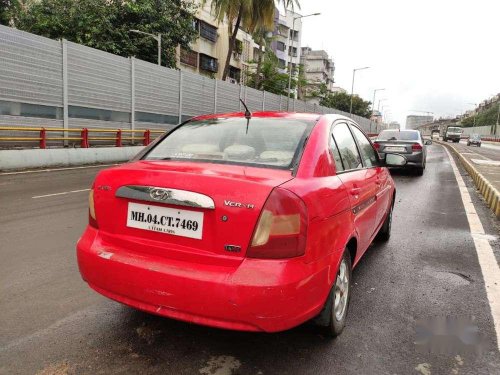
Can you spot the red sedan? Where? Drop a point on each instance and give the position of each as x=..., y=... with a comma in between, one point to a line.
x=246, y=222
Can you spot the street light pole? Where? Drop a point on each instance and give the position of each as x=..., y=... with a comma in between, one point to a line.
x=155, y=37
x=352, y=86
x=380, y=100
x=290, y=50
x=373, y=106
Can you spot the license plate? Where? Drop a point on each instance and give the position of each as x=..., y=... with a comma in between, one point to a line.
x=165, y=220
x=394, y=149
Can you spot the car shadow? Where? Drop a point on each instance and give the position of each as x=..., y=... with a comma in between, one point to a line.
x=155, y=339
x=403, y=172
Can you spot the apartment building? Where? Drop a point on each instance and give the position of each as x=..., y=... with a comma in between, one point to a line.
x=208, y=52
x=286, y=43
x=318, y=68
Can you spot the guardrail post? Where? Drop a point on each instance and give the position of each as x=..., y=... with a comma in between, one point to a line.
x=84, y=143
x=43, y=138
x=119, y=138
x=147, y=138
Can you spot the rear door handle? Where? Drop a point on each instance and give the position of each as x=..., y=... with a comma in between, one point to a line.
x=355, y=191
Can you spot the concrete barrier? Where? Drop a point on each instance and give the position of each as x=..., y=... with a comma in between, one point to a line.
x=64, y=157
x=490, y=193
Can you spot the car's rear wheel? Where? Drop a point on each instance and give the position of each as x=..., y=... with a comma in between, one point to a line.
x=339, y=297
x=385, y=232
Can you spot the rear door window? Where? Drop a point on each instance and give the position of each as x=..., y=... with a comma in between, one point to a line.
x=365, y=148
x=347, y=147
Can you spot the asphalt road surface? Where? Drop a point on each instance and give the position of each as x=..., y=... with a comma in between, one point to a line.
x=490, y=151
x=51, y=322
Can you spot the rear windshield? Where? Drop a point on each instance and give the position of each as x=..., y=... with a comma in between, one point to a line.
x=396, y=135
x=453, y=129
x=271, y=142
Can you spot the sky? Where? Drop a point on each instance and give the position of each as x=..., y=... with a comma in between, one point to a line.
x=429, y=55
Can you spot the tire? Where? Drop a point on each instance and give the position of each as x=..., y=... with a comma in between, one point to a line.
x=337, y=303
x=419, y=171
x=385, y=232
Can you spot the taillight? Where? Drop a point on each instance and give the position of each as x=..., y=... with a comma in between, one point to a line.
x=92, y=217
x=282, y=227
x=376, y=145
x=416, y=147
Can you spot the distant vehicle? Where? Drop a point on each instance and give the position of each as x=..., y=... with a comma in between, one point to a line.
x=435, y=134
x=405, y=142
x=474, y=140
x=452, y=133
x=248, y=222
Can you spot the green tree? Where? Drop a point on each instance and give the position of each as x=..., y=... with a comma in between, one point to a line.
x=7, y=10
x=106, y=25
x=252, y=14
x=270, y=79
x=486, y=117
x=342, y=100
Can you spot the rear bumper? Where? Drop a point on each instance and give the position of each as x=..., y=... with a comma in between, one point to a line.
x=256, y=295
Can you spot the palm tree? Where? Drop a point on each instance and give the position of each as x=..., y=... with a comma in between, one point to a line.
x=252, y=14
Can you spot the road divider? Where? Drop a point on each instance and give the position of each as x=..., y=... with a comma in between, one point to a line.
x=64, y=157
x=488, y=191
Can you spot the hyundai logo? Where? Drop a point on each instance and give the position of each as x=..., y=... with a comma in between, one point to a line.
x=160, y=194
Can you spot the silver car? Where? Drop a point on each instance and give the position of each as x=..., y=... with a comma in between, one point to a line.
x=405, y=142
x=474, y=140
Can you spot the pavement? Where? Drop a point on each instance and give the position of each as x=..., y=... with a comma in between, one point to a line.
x=52, y=323
x=485, y=161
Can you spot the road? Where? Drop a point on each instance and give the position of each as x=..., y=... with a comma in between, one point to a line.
x=51, y=322
x=488, y=150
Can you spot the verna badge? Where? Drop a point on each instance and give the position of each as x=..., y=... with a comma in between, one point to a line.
x=238, y=204
x=160, y=194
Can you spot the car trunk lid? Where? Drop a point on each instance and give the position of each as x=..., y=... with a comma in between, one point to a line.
x=152, y=207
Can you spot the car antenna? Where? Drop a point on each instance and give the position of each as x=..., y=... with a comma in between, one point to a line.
x=248, y=114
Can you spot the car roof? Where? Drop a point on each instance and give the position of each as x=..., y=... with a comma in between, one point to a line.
x=268, y=114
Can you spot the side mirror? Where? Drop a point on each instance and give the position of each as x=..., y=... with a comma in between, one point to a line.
x=395, y=160
x=428, y=142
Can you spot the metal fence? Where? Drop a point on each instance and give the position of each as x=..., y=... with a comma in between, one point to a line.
x=65, y=85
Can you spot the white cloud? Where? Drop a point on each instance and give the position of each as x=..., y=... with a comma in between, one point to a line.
x=430, y=55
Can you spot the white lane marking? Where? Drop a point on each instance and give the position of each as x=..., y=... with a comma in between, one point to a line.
x=58, y=169
x=489, y=162
x=62, y=193
x=487, y=260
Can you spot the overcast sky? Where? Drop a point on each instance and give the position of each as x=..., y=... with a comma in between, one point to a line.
x=430, y=55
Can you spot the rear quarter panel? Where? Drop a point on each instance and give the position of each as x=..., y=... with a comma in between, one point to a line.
x=330, y=221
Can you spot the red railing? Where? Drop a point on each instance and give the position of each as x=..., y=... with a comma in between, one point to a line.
x=84, y=136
